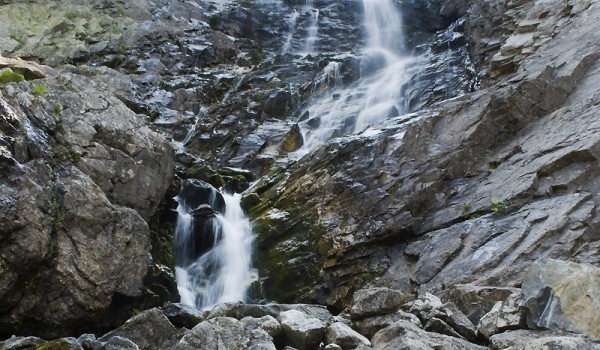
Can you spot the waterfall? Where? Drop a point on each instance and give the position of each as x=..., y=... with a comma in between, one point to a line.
x=213, y=257
x=287, y=46
x=312, y=31
x=377, y=94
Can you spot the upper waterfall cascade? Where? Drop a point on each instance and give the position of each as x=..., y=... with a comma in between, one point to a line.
x=378, y=93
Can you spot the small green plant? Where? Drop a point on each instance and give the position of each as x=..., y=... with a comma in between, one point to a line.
x=8, y=76
x=57, y=222
x=499, y=205
x=134, y=312
x=17, y=38
x=465, y=208
x=493, y=162
x=57, y=108
x=395, y=186
x=39, y=89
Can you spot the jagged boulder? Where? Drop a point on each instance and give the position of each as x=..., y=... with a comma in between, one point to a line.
x=375, y=301
x=476, y=301
x=404, y=334
x=505, y=315
x=225, y=333
x=149, y=330
x=538, y=340
x=76, y=253
x=344, y=336
x=562, y=295
x=300, y=330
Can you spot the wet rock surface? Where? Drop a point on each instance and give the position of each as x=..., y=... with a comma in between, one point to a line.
x=418, y=230
x=83, y=175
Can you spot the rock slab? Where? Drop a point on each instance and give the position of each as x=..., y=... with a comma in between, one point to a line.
x=563, y=295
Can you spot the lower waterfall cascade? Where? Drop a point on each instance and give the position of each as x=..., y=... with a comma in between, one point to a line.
x=223, y=272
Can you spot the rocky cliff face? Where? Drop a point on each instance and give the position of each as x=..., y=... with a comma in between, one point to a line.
x=82, y=176
x=490, y=167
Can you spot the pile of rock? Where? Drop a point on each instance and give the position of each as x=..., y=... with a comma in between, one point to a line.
x=539, y=316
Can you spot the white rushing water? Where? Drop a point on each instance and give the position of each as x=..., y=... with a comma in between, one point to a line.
x=292, y=20
x=378, y=93
x=224, y=272
x=312, y=32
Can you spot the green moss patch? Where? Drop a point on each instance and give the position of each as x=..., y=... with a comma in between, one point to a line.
x=7, y=75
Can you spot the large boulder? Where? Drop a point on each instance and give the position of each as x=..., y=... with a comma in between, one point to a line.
x=562, y=295
x=149, y=330
x=344, y=336
x=406, y=335
x=82, y=175
x=375, y=301
x=224, y=333
x=300, y=330
x=539, y=340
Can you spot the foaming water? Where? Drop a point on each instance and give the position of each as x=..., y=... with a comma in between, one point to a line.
x=224, y=272
x=378, y=93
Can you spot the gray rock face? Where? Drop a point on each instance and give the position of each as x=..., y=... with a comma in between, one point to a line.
x=469, y=191
x=77, y=164
x=562, y=295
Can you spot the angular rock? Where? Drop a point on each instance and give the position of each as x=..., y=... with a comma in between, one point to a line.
x=119, y=343
x=89, y=342
x=406, y=335
x=149, y=330
x=224, y=333
x=375, y=301
x=266, y=323
x=370, y=325
x=429, y=307
x=345, y=337
x=181, y=315
x=300, y=330
x=436, y=325
x=30, y=70
x=15, y=343
x=505, y=315
x=562, y=295
x=476, y=301
x=540, y=340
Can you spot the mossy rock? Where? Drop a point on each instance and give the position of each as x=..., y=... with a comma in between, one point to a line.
x=249, y=201
x=207, y=174
x=7, y=75
x=241, y=174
